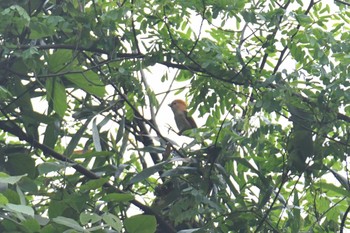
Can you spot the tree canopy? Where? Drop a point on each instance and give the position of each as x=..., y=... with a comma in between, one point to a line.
x=84, y=88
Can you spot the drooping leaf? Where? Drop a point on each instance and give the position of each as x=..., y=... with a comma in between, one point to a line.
x=88, y=81
x=56, y=93
x=96, y=136
x=76, y=138
x=147, y=173
x=52, y=132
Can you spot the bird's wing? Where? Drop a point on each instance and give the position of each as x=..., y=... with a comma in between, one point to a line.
x=190, y=119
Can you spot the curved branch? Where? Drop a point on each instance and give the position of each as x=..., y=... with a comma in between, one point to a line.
x=342, y=224
x=199, y=31
x=281, y=58
x=272, y=204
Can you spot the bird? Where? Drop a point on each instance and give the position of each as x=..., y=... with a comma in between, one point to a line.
x=182, y=119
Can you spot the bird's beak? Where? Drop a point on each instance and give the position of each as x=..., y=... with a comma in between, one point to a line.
x=169, y=105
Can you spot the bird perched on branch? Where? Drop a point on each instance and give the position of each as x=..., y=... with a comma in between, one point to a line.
x=183, y=121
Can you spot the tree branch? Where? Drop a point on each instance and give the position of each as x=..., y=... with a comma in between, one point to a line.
x=342, y=2
x=79, y=48
x=342, y=224
x=274, y=33
x=281, y=58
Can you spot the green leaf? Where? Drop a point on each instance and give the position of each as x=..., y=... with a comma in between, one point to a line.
x=144, y=174
x=4, y=94
x=19, y=16
x=96, y=136
x=94, y=184
x=28, y=53
x=44, y=26
x=120, y=131
x=227, y=179
x=246, y=163
x=24, y=103
x=59, y=98
x=52, y=132
x=91, y=218
x=113, y=221
x=152, y=149
x=31, y=225
x=3, y=199
x=264, y=196
x=58, y=60
x=56, y=92
x=12, y=196
x=76, y=138
x=304, y=19
x=296, y=214
x=248, y=16
x=56, y=208
x=118, y=197
x=6, y=179
x=47, y=167
x=141, y=224
x=342, y=180
x=69, y=223
x=22, y=198
x=28, y=185
x=183, y=75
x=21, y=163
x=23, y=209
x=39, y=30
x=88, y=81
x=48, y=229
x=333, y=188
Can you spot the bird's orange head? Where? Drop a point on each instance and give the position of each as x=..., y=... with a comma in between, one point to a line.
x=178, y=105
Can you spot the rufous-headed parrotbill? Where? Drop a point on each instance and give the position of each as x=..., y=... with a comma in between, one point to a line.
x=182, y=119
